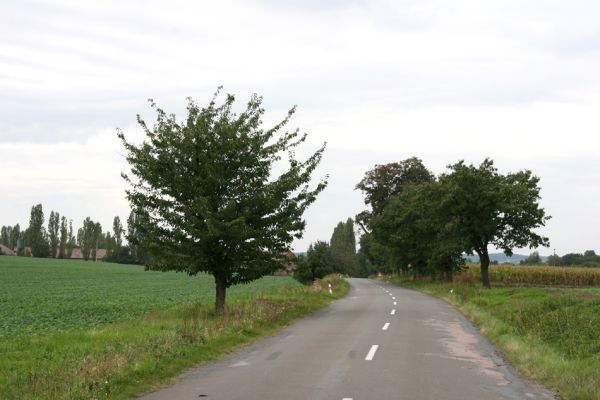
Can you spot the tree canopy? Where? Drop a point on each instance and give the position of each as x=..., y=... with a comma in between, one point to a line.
x=483, y=207
x=317, y=263
x=208, y=189
x=385, y=181
x=428, y=225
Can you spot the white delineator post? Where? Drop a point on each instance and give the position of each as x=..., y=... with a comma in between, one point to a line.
x=330, y=291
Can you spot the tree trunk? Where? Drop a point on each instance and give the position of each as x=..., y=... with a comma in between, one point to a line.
x=484, y=259
x=221, y=289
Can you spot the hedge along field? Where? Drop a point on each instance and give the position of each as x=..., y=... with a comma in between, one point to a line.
x=83, y=330
x=534, y=275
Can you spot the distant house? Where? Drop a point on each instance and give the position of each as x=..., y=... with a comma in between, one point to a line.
x=77, y=254
x=7, y=251
x=288, y=265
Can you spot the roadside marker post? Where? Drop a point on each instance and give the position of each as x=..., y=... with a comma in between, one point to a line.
x=330, y=291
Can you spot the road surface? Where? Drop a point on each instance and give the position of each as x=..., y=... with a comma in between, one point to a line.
x=378, y=342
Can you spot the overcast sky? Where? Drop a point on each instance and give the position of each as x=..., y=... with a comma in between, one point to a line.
x=380, y=81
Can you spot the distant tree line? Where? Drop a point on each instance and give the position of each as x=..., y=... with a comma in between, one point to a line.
x=419, y=224
x=57, y=239
x=336, y=256
x=588, y=259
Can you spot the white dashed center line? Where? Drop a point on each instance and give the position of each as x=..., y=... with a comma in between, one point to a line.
x=394, y=303
x=371, y=352
x=393, y=311
x=393, y=298
x=386, y=326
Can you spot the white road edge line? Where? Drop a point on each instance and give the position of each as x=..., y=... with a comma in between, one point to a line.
x=347, y=398
x=393, y=311
x=371, y=352
x=386, y=326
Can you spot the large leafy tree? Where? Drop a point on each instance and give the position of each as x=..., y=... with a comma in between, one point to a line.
x=385, y=181
x=414, y=233
x=208, y=187
x=379, y=185
x=482, y=207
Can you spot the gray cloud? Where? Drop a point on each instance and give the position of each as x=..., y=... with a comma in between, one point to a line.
x=380, y=81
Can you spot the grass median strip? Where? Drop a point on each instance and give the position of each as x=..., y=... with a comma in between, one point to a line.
x=550, y=334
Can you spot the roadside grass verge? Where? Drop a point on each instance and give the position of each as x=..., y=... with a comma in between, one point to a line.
x=551, y=335
x=121, y=359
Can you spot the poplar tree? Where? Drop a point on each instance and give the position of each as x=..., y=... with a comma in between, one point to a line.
x=343, y=248
x=212, y=200
x=37, y=237
x=118, y=233
x=62, y=250
x=86, y=236
x=53, y=232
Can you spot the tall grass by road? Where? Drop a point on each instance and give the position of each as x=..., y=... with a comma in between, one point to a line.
x=551, y=334
x=77, y=330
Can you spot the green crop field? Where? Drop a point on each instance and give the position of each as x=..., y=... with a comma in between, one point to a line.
x=83, y=330
x=40, y=296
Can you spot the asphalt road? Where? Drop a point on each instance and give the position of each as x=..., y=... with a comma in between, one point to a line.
x=378, y=342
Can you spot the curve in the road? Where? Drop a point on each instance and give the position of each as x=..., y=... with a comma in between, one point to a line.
x=364, y=346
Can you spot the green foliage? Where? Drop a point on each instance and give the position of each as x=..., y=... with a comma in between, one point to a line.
x=317, y=263
x=533, y=259
x=412, y=228
x=587, y=259
x=483, y=207
x=136, y=236
x=36, y=236
x=343, y=248
x=53, y=232
x=5, y=236
x=64, y=238
x=87, y=239
x=426, y=226
x=118, y=232
x=9, y=235
x=207, y=190
x=385, y=181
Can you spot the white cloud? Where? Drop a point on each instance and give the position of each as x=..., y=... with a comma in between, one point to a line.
x=380, y=81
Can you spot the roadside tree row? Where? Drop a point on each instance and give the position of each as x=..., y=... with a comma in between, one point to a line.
x=421, y=224
x=58, y=239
